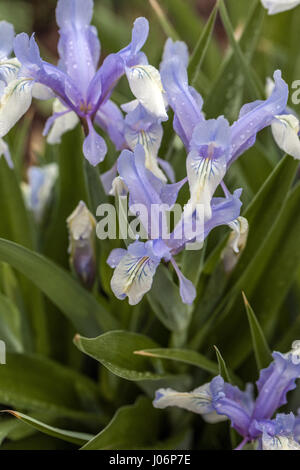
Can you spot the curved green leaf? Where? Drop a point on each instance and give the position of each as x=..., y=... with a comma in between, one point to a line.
x=40, y=384
x=82, y=309
x=68, y=436
x=261, y=349
x=115, y=351
x=132, y=427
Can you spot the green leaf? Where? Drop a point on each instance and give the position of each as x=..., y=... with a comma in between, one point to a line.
x=230, y=76
x=115, y=351
x=170, y=309
x=264, y=209
x=132, y=427
x=68, y=436
x=201, y=47
x=10, y=325
x=261, y=349
x=187, y=356
x=71, y=190
x=254, y=85
x=74, y=301
x=6, y=426
x=40, y=384
x=265, y=282
x=261, y=215
x=223, y=371
x=15, y=225
x=163, y=20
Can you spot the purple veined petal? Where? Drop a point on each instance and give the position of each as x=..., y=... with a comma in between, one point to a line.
x=14, y=103
x=167, y=169
x=78, y=47
x=7, y=35
x=105, y=80
x=133, y=275
x=256, y=116
x=27, y=52
x=94, y=146
x=224, y=211
x=139, y=181
x=115, y=257
x=206, y=162
x=187, y=113
x=274, y=383
x=4, y=150
x=186, y=287
x=197, y=97
x=143, y=128
x=140, y=32
x=169, y=192
x=111, y=120
x=176, y=49
x=233, y=403
x=113, y=66
x=278, y=434
x=297, y=427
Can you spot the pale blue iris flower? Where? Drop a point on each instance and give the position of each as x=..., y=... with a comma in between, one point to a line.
x=251, y=418
x=82, y=90
x=136, y=266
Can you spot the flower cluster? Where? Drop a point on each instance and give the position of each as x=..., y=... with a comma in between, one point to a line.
x=212, y=146
x=82, y=93
x=251, y=418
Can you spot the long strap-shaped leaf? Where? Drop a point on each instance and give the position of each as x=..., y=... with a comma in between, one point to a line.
x=78, y=438
x=81, y=308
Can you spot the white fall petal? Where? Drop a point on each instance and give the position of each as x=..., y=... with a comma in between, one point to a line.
x=279, y=443
x=145, y=84
x=9, y=69
x=14, y=102
x=204, y=175
x=133, y=277
x=285, y=129
x=198, y=401
x=278, y=6
x=150, y=140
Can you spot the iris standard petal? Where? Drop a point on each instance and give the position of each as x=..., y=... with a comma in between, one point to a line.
x=78, y=47
x=110, y=118
x=186, y=109
x=7, y=35
x=274, y=383
x=256, y=116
